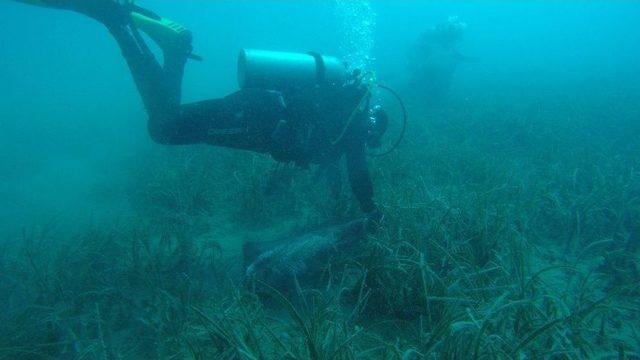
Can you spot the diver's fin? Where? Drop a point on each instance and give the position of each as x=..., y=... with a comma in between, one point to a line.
x=112, y=12
x=56, y=4
x=169, y=35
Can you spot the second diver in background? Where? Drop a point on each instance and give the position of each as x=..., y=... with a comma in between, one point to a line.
x=434, y=60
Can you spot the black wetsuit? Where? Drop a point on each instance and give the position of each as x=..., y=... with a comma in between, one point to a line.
x=299, y=126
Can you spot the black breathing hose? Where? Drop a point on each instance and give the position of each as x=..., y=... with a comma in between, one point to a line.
x=405, y=118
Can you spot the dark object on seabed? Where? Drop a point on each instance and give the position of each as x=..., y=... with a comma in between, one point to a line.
x=280, y=263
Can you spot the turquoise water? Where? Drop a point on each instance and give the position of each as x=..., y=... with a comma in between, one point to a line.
x=511, y=207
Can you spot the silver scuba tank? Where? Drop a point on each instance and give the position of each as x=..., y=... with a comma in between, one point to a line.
x=283, y=70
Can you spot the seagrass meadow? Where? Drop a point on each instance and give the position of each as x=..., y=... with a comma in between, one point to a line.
x=511, y=208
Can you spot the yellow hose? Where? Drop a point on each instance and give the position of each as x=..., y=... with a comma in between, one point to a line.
x=355, y=111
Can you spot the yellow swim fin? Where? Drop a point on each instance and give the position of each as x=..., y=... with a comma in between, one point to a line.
x=169, y=35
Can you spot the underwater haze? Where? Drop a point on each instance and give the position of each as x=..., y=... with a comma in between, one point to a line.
x=509, y=213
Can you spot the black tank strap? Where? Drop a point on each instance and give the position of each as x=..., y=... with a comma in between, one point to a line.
x=321, y=69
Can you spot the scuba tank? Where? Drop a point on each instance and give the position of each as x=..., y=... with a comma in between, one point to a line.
x=275, y=70
x=310, y=78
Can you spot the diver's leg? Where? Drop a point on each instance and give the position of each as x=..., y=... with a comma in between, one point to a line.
x=147, y=73
x=159, y=86
x=243, y=120
x=174, y=40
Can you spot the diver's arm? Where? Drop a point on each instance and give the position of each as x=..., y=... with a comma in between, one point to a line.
x=359, y=176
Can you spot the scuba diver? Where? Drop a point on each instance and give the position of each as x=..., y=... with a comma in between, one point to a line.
x=299, y=108
x=434, y=60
